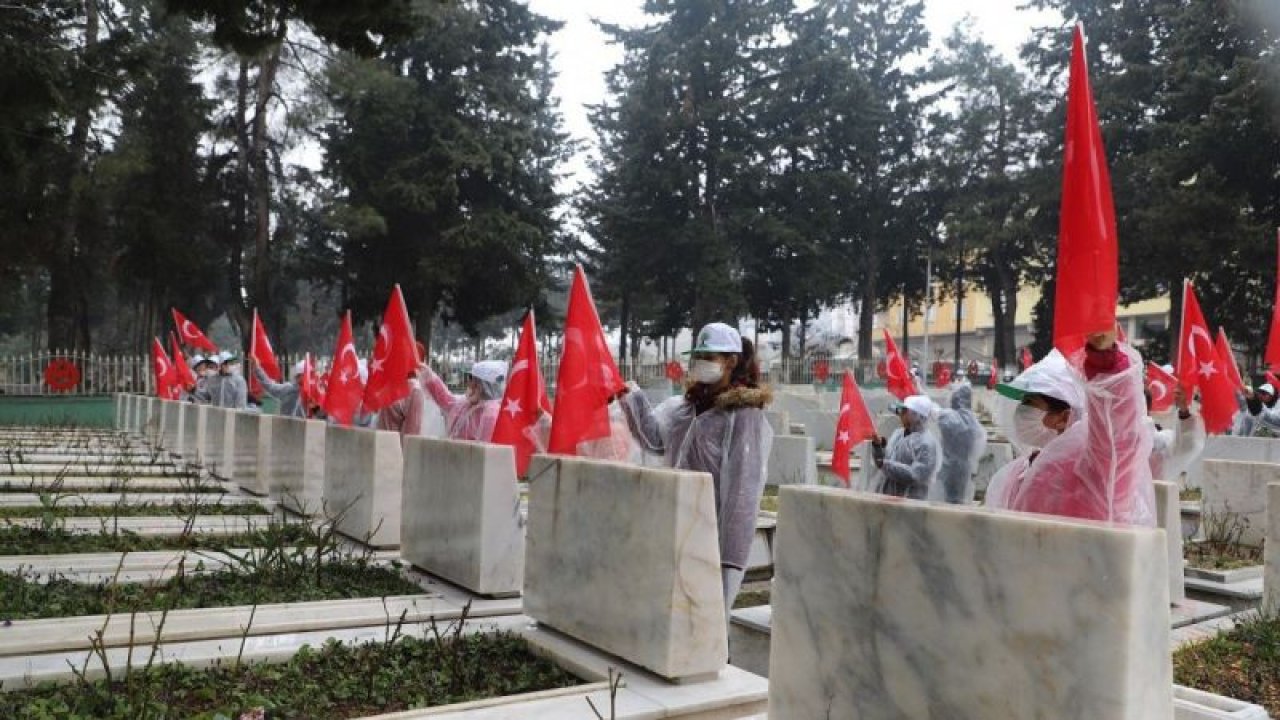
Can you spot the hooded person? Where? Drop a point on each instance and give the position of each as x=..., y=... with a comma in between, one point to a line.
x=229, y=390
x=1085, y=440
x=963, y=441
x=288, y=394
x=717, y=427
x=909, y=460
x=472, y=414
x=1262, y=409
x=1174, y=449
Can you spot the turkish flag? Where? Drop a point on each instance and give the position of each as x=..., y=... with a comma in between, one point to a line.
x=524, y=400
x=995, y=375
x=309, y=387
x=587, y=377
x=165, y=374
x=395, y=358
x=1161, y=385
x=1271, y=358
x=190, y=334
x=897, y=374
x=1223, y=347
x=263, y=356
x=1027, y=360
x=852, y=427
x=1200, y=366
x=1088, y=265
x=344, y=389
x=182, y=371
x=1274, y=381
x=943, y=377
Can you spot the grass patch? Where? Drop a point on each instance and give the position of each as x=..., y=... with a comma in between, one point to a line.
x=751, y=598
x=769, y=501
x=334, y=681
x=189, y=485
x=144, y=509
x=1190, y=494
x=57, y=541
x=1211, y=555
x=1243, y=663
x=28, y=597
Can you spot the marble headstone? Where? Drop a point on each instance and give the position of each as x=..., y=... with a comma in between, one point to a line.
x=792, y=460
x=462, y=518
x=1169, y=519
x=363, y=477
x=194, y=422
x=253, y=433
x=174, y=417
x=885, y=608
x=291, y=463
x=1271, y=577
x=1239, y=489
x=626, y=559
x=1230, y=447
x=779, y=421
x=119, y=403
x=219, y=441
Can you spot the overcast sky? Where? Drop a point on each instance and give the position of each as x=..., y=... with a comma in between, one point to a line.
x=583, y=55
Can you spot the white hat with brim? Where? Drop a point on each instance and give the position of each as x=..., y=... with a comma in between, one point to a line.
x=1267, y=388
x=1051, y=377
x=918, y=404
x=718, y=338
x=490, y=371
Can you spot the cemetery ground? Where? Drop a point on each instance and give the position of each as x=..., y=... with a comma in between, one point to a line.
x=138, y=582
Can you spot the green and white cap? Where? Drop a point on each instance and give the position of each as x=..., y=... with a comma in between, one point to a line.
x=718, y=338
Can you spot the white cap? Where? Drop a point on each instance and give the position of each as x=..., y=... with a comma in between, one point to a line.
x=299, y=366
x=1052, y=376
x=490, y=371
x=1167, y=368
x=718, y=338
x=196, y=360
x=918, y=404
x=1267, y=388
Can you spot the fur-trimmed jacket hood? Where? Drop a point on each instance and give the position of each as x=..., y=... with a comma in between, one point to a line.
x=737, y=398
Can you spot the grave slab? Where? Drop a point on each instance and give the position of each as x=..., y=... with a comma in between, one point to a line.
x=363, y=479
x=173, y=415
x=194, y=433
x=104, y=483
x=219, y=442
x=1169, y=519
x=155, y=526
x=884, y=608
x=669, y=619
x=293, y=463
x=1233, y=448
x=462, y=517
x=1234, y=488
x=1271, y=582
x=792, y=461
x=252, y=432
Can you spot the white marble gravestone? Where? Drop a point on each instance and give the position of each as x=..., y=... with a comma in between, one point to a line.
x=252, y=434
x=779, y=421
x=1169, y=519
x=461, y=518
x=1271, y=577
x=291, y=464
x=1230, y=447
x=1237, y=488
x=887, y=608
x=219, y=442
x=996, y=456
x=363, y=477
x=119, y=403
x=792, y=460
x=626, y=559
x=173, y=414
x=820, y=425
x=194, y=422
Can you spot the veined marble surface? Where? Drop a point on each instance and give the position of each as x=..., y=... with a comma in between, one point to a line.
x=291, y=465
x=885, y=608
x=216, y=440
x=1169, y=519
x=792, y=461
x=1238, y=488
x=1271, y=578
x=461, y=517
x=252, y=431
x=1231, y=447
x=626, y=559
x=363, y=477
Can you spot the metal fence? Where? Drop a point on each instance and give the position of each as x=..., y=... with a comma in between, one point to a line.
x=74, y=373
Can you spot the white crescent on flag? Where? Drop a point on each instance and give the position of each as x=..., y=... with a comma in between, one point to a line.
x=1198, y=332
x=162, y=366
x=349, y=349
x=893, y=367
x=188, y=330
x=518, y=368
x=1158, y=391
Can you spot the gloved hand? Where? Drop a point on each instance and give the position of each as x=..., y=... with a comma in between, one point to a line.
x=877, y=452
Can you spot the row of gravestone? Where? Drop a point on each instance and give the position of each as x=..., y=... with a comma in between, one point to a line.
x=881, y=608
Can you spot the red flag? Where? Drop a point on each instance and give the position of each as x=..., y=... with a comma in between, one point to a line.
x=1027, y=360
x=587, y=377
x=166, y=376
x=1271, y=358
x=524, y=400
x=1161, y=385
x=943, y=377
x=344, y=390
x=897, y=374
x=1088, y=265
x=309, y=386
x=994, y=379
x=1223, y=347
x=1199, y=366
x=190, y=334
x=182, y=372
x=263, y=356
x=1270, y=378
x=852, y=427
x=395, y=358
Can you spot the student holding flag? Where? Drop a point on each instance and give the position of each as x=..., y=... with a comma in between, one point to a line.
x=288, y=394
x=473, y=414
x=1173, y=449
x=909, y=460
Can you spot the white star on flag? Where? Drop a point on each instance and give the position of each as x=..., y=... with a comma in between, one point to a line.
x=375, y=365
x=513, y=407
x=844, y=408
x=1208, y=369
x=843, y=437
x=344, y=376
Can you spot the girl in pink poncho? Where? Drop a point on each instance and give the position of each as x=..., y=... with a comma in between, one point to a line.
x=1082, y=426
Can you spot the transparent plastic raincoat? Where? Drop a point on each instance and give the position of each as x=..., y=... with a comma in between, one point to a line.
x=963, y=441
x=911, y=461
x=1173, y=449
x=465, y=420
x=1100, y=467
x=731, y=441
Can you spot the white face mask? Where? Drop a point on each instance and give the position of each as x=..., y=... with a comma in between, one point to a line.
x=1029, y=429
x=707, y=372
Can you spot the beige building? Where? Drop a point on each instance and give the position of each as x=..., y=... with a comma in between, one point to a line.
x=977, y=325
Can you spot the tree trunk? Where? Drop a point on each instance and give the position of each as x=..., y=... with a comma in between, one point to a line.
x=1010, y=328
x=866, y=325
x=264, y=88
x=237, y=311
x=786, y=338
x=624, y=321
x=1175, y=318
